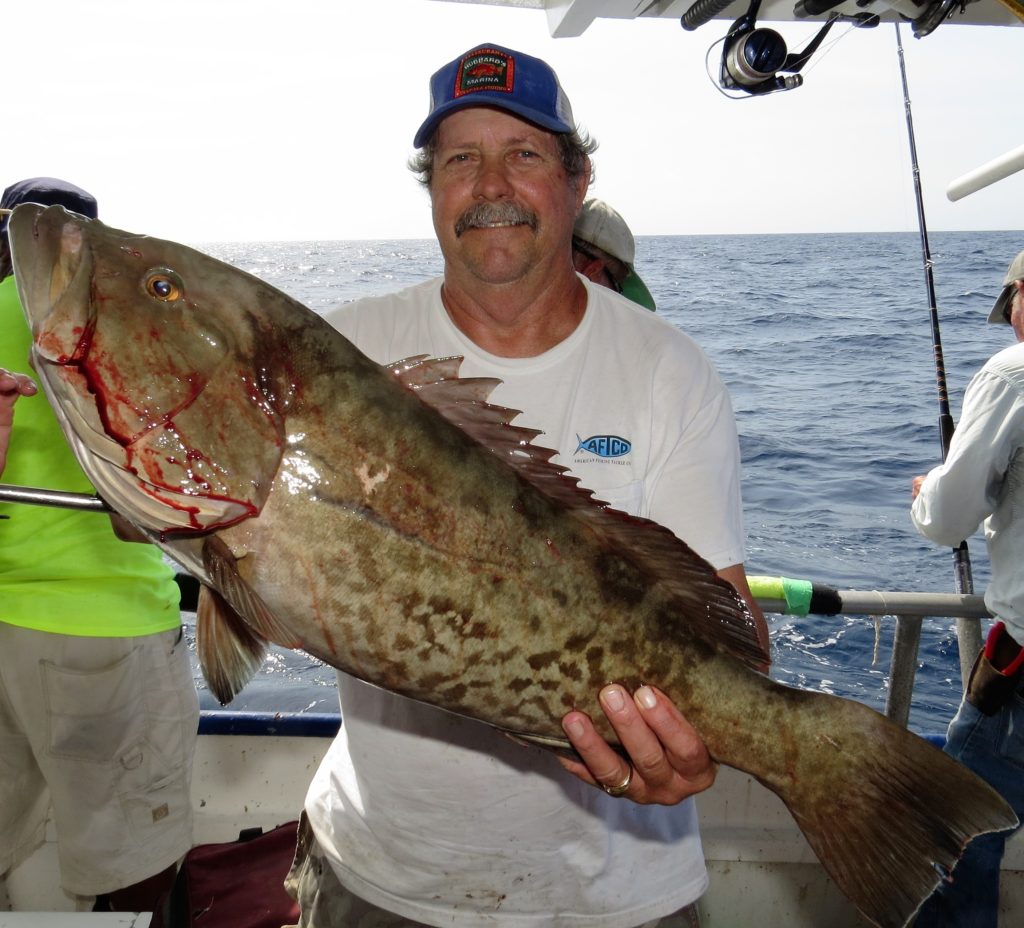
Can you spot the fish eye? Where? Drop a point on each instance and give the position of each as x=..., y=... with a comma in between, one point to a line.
x=164, y=285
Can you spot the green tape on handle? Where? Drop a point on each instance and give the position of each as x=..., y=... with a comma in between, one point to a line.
x=796, y=593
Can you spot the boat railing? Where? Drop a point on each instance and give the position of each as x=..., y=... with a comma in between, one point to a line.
x=908, y=610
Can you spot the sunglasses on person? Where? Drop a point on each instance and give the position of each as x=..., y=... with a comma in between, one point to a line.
x=1008, y=308
x=581, y=246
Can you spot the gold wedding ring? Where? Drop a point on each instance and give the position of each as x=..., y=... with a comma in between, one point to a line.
x=620, y=788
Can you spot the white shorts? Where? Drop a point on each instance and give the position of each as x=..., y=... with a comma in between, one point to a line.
x=104, y=731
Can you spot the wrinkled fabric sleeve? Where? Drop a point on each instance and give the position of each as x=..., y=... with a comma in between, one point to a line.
x=963, y=491
x=694, y=488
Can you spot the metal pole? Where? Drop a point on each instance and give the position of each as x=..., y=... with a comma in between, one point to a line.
x=903, y=668
x=58, y=498
x=968, y=630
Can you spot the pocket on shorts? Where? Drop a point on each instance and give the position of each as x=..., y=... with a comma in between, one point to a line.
x=164, y=807
x=93, y=714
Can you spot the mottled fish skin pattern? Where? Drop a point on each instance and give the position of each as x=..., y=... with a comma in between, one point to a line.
x=424, y=567
x=388, y=542
x=333, y=506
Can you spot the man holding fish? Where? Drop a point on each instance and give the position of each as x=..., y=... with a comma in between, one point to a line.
x=398, y=522
x=423, y=814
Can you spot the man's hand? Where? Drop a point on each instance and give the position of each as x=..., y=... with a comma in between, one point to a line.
x=915, y=485
x=125, y=531
x=12, y=386
x=669, y=760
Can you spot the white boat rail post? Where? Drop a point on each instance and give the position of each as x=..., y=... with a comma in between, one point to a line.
x=909, y=610
x=785, y=597
x=906, y=641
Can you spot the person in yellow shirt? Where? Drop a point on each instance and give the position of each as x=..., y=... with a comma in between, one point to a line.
x=98, y=708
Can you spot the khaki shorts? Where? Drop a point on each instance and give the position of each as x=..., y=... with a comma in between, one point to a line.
x=103, y=731
x=325, y=903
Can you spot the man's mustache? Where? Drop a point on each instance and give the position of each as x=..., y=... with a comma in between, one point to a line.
x=481, y=215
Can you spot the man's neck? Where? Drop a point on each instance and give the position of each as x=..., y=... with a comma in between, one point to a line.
x=516, y=320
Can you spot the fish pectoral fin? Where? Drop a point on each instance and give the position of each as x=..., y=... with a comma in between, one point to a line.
x=222, y=568
x=229, y=651
x=233, y=624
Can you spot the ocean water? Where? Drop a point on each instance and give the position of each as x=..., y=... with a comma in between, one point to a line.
x=825, y=343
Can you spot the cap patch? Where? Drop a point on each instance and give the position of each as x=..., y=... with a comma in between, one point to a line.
x=485, y=69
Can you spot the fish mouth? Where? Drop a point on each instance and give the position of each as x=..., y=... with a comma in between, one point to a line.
x=70, y=286
x=503, y=215
x=52, y=269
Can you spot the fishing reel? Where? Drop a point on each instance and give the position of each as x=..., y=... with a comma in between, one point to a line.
x=754, y=58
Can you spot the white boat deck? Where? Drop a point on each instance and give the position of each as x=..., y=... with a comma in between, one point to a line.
x=762, y=870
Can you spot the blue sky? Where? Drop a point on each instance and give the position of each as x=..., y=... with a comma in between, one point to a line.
x=250, y=120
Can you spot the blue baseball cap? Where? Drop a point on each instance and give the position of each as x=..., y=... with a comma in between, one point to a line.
x=490, y=75
x=47, y=191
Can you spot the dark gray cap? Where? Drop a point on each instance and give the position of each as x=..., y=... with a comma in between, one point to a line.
x=1016, y=272
x=47, y=191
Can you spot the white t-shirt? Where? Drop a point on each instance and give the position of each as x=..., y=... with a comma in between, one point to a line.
x=442, y=820
x=983, y=478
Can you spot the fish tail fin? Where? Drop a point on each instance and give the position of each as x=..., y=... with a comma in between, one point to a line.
x=887, y=813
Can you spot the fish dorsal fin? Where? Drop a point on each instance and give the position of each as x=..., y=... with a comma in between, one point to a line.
x=715, y=610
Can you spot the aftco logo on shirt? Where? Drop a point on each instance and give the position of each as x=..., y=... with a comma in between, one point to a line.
x=604, y=446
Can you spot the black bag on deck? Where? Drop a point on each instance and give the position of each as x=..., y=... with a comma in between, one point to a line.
x=239, y=884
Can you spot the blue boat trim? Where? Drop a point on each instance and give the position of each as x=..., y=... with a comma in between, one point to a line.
x=312, y=724
x=285, y=724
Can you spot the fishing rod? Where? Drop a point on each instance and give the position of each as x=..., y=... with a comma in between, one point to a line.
x=968, y=630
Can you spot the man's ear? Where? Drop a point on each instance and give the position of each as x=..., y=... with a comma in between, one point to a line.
x=593, y=269
x=583, y=184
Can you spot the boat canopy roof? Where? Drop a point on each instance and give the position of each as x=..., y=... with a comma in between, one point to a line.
x=572, y=17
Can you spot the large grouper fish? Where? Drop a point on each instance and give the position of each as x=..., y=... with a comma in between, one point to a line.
x=391, y=522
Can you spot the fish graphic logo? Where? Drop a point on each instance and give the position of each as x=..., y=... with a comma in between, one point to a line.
x=604, y=446
x=485, y=69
